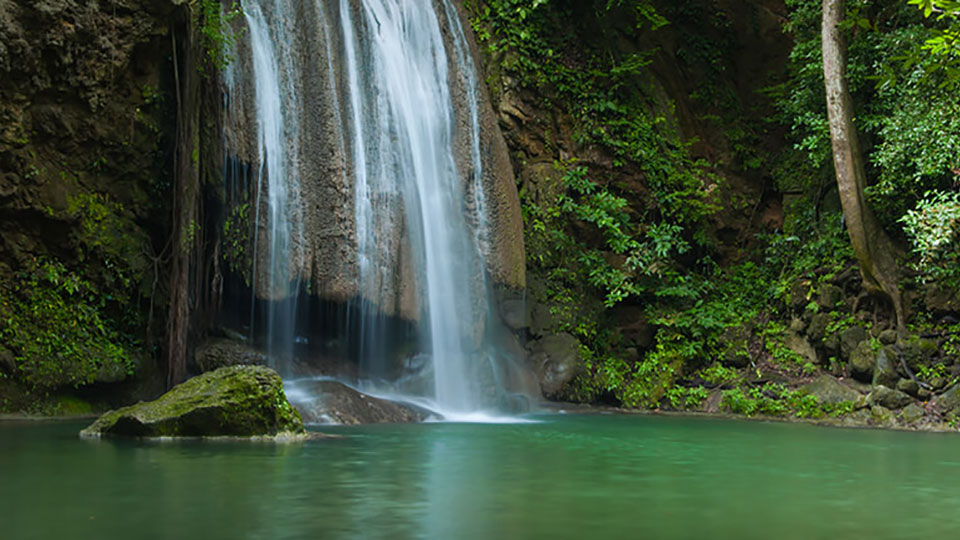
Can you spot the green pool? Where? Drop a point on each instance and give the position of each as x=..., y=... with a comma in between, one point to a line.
x=570, y=476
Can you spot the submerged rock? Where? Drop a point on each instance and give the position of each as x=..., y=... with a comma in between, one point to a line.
x=829, y=390
x=555, y=359
x=239, y=401
x=331, y=402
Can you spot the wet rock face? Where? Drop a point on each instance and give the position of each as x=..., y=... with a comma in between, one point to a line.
x=217, y=353
x=325, y=250
x=330, y=402
x=555, y=359
x=239, y=401
x=81, y=111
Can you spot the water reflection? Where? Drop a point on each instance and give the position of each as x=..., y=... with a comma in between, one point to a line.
x=568, y=477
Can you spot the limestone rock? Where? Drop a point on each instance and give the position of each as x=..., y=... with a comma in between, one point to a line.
x=331, y=402
x=882, y=416
x=911, y=414
x=888, y=397
x=949, y=400
x=238, y=401
x=885, y=369
x=7, y=362
x=941, y=299
x=817, y=330
x=555, y=359
x=917, y=351
x=217, y=353
x=888, y=337
x=515, y=313
x=830, y=296
x=799, y=344
x=541, y=320
x=850, y=339
x=862, y=361
x=829, y=390
x=908, y=386
x=733, y=342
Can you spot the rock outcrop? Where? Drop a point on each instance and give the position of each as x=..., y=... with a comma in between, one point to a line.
x=239, y=401
x=217, y=353
x=555, y=359
x=331, y=402
x=828, y=389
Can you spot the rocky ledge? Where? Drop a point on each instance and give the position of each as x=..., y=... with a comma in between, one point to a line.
x=237, y=401
x=330, y=402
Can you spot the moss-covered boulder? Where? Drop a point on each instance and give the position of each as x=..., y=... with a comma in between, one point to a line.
x=888, y=398
x=885, y=370
x=949, y=401
x=238, y=401
x=862, y=362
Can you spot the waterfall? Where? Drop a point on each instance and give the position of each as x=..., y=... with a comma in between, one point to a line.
x=368, y=132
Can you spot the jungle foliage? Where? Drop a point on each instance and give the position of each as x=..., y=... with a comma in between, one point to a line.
x=597, y=245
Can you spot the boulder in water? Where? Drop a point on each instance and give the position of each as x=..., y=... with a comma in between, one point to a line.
x=331, y=402
x=238, y=401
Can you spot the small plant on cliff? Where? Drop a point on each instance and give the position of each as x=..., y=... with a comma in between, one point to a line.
x=216, y=35
x=53, y=324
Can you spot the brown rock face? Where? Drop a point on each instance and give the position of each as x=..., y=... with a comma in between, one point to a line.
x=82, y=118
x=324, y=250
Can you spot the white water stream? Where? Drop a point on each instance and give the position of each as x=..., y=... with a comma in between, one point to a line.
x=410, y=105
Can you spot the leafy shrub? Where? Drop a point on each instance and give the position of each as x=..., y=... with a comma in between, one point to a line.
x=53, y=324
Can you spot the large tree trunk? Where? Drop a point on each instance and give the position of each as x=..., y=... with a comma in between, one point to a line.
x=186, y=190
x=872, y=247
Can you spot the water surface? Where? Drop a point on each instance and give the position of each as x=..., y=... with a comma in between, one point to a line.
x=564, y=477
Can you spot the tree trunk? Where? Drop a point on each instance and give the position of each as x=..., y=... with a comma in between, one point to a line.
x=186, y=189
x=873, y=249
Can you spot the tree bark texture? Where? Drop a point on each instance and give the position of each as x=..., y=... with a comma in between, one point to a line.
x=872, y=247
x=185, y=192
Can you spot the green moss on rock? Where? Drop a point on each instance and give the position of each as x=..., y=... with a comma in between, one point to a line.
x=238, y=401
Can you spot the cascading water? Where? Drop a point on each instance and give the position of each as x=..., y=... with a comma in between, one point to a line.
x=381, y=97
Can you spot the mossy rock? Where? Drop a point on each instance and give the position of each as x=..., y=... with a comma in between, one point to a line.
x=828, y=389
x=237, y=401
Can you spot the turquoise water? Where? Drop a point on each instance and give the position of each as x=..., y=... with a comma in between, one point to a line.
x=565, y=477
